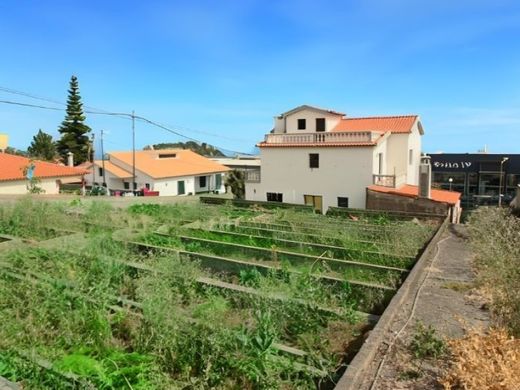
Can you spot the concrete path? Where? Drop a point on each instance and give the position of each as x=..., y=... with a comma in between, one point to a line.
x=446, y=301
x=6, y=385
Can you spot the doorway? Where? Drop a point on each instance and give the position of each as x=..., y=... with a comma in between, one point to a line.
x=315, y=201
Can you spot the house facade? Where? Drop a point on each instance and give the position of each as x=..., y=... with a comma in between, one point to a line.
x=324, y=158
x=169, y=172
x=48, y=177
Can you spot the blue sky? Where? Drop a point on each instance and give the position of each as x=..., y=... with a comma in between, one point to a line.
x=220, y=70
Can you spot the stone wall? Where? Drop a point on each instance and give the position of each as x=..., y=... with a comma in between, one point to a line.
x=392, y=202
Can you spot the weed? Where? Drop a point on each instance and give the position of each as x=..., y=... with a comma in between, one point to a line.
x=425, y=343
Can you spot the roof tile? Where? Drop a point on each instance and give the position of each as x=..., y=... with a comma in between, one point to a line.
x=444, y=196
x=393, y=124
x=12, y=167
x=184, y=163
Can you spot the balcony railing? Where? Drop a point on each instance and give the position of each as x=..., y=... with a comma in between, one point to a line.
x=252, y=176
x=384, y=180
x=323, y=138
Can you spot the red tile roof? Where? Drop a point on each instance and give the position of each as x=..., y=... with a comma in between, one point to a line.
x=393, y=124
x=443, y=196
x=12, y=167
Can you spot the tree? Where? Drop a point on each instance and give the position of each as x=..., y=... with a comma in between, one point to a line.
x=203, y=149
x=42, y=147
x=14, y=151
x=235, y=180
x=74, y=132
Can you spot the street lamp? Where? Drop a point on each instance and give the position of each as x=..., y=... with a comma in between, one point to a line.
x=504, y=159
x=451, y=181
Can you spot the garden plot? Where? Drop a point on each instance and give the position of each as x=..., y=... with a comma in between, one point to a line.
x=205, y=306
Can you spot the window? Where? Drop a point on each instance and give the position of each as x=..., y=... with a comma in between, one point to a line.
x=380, y=163
x=147, y=186
x=100, y=171
x=202, y=181
x=167, y=155
x=320, y=124
x=301, y=124
x=127, y=185
x=342, y=201
x=410, y=156
x=135, y=186
x=274, y=197
x=180, y=188
x=218, y=180
x=314, y=160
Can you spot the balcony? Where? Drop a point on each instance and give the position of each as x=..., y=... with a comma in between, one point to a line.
x=252, y=176
x=384, y=180
x=351, y=137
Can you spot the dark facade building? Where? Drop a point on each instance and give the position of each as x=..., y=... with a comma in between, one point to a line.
x=479, y=177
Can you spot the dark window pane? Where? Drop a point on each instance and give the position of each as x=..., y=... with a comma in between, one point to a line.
x=202, y=181
x=274, y=197
x=320, y=124
x=314, y=160
x=127, y=185
x=342, y=202
x=301, y=124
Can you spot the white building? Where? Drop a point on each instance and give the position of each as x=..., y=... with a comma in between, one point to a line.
x=47, y=177
x=324, y=158
x=169, y=172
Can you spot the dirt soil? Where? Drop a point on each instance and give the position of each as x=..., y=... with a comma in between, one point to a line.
x=448, y=302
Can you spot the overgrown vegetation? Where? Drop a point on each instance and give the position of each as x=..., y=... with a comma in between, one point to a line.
x=484, y=361
x=94, y=311
x=495, y=237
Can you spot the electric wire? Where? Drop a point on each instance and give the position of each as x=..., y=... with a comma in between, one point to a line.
x=126, y=115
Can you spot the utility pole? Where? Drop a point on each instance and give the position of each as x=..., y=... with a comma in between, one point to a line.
x=133, y=152
x=103, y=162
x=93, y=166
x=504, y=159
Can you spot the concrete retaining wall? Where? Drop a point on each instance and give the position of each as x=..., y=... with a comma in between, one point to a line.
x=357, y=371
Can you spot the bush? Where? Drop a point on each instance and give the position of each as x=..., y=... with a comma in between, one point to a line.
x=495, y=238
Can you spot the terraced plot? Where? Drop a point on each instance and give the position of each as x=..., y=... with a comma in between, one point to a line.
x=188, y=296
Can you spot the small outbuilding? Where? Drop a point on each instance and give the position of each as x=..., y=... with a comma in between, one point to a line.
x=406, y=198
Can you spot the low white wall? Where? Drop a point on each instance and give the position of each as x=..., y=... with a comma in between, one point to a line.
x=50, y=186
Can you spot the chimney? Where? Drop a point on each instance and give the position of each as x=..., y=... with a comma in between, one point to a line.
x=70, y=159
x=425, y=177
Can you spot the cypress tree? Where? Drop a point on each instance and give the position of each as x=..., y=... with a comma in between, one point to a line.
x=74, y=132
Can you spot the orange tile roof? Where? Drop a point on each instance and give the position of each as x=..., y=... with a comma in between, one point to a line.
x=114, y=169
x=393, y=124
x=12, y=167
x=444, y=196
x=185, y=163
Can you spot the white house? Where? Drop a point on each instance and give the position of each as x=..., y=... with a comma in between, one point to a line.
x=324, y=158
x=169, y=172
x=48, y=177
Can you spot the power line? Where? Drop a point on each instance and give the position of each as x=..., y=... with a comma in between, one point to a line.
x=121, y=115
x=93, y=110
